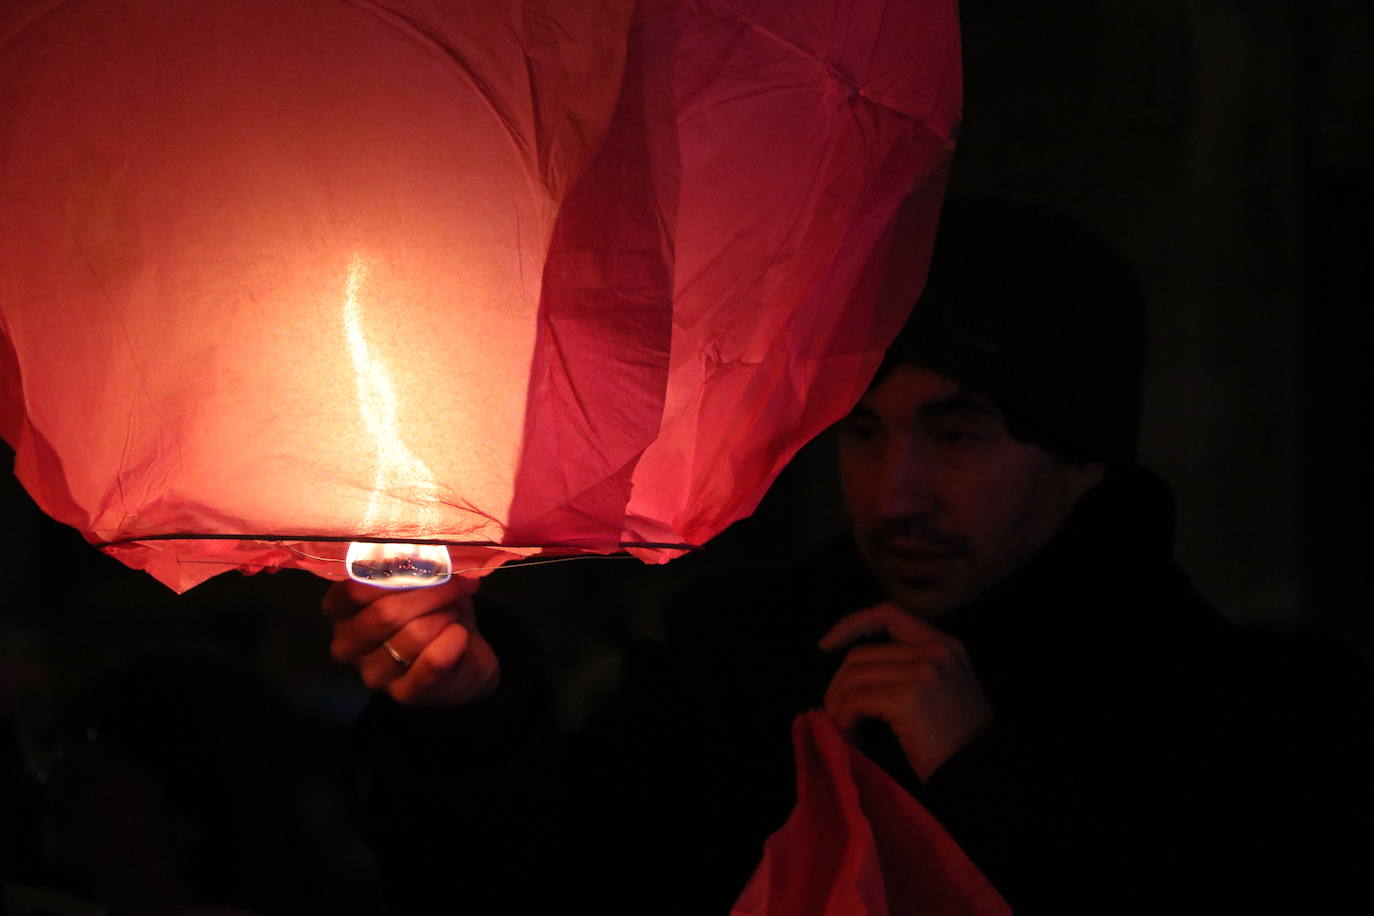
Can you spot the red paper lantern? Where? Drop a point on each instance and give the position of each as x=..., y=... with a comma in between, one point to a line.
x=515, y=277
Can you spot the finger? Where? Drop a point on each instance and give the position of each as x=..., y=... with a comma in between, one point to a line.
x=379, y=669
x=851, y=677
x=339, y=604
x=885, y=618
x=346, y=598
x=439, y=657
x=382, y=619
x=455, y=667
x=886, y=652
x=874, y=701
x=940, y=652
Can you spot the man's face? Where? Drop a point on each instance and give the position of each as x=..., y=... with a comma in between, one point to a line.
x=944, y=502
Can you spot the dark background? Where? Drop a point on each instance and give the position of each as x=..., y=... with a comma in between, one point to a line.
x=1225, y=147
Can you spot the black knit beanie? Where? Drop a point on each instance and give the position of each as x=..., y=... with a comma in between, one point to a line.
x=1041, y=317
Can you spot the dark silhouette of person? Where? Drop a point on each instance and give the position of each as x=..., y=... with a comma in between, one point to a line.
x=177, y=787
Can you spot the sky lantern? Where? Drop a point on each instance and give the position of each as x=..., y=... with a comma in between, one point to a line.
x=284, y=282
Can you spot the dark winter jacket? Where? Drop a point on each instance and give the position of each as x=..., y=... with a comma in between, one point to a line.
x=1147, y=756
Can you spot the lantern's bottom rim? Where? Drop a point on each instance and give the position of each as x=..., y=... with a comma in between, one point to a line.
x=419, y=542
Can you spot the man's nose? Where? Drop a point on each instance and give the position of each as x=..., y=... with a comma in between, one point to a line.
x=906, y=484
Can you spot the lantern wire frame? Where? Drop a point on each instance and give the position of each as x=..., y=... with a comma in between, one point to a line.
x=509, y=564
x=432, y=542
x=345, y=539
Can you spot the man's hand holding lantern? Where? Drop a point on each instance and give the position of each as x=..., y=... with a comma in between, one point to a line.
x=422, y=645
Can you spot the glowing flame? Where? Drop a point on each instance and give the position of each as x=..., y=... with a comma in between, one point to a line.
x=398, y=469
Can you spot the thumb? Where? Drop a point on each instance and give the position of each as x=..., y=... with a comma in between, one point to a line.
x=883, y=619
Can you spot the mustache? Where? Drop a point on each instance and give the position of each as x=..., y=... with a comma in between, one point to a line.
x=898, y=532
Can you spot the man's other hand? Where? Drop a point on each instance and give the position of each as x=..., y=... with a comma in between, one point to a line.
x=921, y=684
x=437, y=657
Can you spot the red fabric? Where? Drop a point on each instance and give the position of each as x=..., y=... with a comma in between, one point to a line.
x=547, y=275
x=858, y=845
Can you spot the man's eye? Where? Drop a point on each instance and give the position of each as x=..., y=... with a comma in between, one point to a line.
x=955, y=435
x=859, y=430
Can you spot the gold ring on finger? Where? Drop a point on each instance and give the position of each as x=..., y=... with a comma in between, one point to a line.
x=397, y=657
